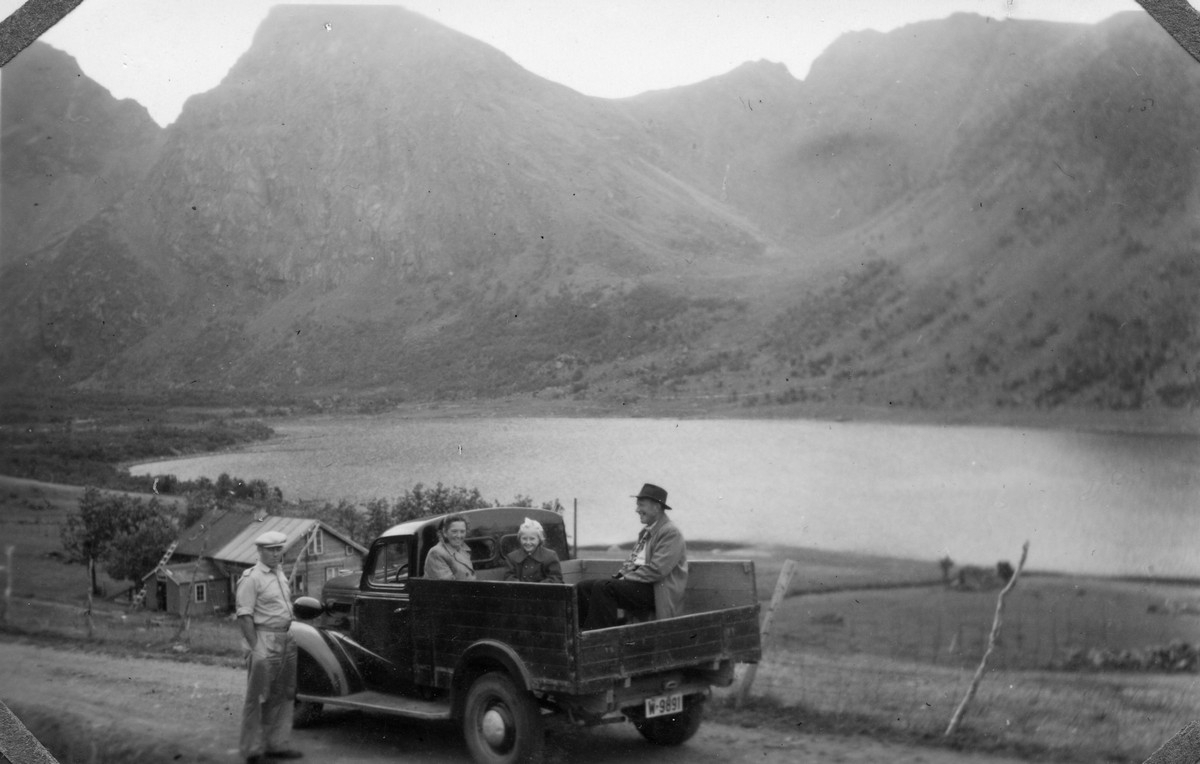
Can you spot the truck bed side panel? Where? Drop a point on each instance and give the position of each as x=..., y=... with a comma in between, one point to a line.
x=535, y=620
x=538, y=621
x=682, y=642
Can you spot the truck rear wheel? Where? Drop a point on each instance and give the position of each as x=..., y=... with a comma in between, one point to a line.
x=501, y=723
x=676, y=728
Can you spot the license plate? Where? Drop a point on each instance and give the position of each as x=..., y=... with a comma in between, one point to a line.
x=661, y=705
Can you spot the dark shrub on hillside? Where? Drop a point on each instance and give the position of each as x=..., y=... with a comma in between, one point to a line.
x=1177, y=657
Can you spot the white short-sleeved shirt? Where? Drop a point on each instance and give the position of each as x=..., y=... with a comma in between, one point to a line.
x=264, y=593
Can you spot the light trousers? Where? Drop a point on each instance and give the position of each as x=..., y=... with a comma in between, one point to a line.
x=270, y=694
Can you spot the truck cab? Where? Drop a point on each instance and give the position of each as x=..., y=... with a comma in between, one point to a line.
x=399, y=551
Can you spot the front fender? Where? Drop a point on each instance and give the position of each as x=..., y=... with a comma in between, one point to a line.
x=323, y=666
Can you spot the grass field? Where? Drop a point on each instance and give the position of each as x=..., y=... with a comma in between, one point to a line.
x=1044, y=618
x=863, y=645
x=1030, y=714
x=31, y=515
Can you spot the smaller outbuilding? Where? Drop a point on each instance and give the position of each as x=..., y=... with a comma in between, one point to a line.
x=202, y=573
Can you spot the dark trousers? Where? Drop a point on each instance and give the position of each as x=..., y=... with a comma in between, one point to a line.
x=599, y=599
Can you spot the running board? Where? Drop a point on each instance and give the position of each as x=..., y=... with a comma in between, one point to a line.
x=389, y=704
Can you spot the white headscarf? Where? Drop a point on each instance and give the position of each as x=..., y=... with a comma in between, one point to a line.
x=533, y=526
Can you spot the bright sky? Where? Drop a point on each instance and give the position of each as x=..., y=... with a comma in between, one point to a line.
x=160, y=52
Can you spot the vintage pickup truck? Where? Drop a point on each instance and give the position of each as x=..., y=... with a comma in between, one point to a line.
x=505, y=658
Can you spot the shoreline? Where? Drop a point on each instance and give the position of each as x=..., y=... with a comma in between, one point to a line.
x=702, y=548
x=1145, y=423
x=706, y=549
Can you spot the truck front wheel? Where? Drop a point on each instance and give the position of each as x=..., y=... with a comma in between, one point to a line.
x=502, y=724
x=676, y=728
x=306, y=714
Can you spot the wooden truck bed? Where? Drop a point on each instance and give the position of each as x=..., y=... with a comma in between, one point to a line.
x=539, y=622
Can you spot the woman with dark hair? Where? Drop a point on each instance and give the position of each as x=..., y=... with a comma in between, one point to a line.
x=450, y=559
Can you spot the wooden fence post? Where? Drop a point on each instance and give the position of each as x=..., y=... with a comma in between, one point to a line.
x=781, y=589
x=8, y=577
x=91, y=577
x=1184, y=748
x=991, y=644
x=17, y=743
x=308, y=540
x=185, y=620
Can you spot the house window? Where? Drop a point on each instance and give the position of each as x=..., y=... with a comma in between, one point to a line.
x=298, y=584
x=318, y=544
x=332, y=573
x=200, y=592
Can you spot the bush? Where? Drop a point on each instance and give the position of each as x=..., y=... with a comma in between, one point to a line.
x=1177, y=657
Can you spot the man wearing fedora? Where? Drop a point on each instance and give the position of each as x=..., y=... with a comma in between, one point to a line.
x=264, y=614
x=652, y=579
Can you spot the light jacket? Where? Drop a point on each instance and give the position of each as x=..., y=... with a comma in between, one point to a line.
x=666, y=567
x=445, y=563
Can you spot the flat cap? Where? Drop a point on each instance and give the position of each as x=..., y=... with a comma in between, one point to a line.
x=271, y=538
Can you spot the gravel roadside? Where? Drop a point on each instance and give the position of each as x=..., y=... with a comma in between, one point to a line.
x=93, y=707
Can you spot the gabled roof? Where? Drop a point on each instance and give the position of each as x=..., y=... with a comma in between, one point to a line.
x=241, y=548
x=213, y=531
x=187, y=572
x=228, y=536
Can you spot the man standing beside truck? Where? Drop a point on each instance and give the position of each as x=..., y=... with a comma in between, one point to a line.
x=654, y=577
x=264, y=614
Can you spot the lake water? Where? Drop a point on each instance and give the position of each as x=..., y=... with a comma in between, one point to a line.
x=1087, y=503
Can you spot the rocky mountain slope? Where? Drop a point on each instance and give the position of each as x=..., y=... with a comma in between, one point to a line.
x=958, y=213
x=70, y=149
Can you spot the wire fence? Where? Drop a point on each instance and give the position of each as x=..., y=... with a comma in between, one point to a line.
x=1046, y=625
x=905, y=663
x=1114, y=718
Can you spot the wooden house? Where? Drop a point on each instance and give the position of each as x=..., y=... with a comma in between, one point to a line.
x=210, y=556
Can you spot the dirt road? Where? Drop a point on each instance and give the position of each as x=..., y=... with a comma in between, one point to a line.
x=168, y=711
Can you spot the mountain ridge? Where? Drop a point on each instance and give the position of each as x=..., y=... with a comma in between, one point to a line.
x=390, y=206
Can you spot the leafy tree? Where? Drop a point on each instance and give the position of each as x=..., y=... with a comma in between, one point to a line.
x=363, y=523
x=198, y=504
x=132, y=555
x=235, y=488
x=347, y=518
x=946, y=564
x=378, y=520
x=1004, y=570
x=424, y=502
x=101, y=520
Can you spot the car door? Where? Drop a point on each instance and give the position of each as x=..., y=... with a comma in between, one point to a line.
x=381, y=616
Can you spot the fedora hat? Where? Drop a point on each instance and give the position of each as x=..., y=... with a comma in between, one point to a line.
x=651, y=491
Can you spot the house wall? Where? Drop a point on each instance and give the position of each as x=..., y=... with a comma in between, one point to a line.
x=171, y=591
x=217, y=598
x=312, y=568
